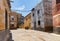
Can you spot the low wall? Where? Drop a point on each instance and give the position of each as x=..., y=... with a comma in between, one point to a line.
x=57, y=30
x=4, y=35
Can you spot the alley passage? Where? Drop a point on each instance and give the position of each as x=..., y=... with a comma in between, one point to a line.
x=31, y=35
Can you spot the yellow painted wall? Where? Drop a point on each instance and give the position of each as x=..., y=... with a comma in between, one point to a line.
x=27, y=21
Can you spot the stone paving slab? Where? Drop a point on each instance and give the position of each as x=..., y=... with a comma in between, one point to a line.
x=31, y=35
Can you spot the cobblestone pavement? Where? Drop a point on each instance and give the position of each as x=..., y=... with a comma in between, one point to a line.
x=31, y=35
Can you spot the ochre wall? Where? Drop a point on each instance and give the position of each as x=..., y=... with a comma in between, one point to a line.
x=27, y=21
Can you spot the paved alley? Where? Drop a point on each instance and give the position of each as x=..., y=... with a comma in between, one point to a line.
x=31, y=35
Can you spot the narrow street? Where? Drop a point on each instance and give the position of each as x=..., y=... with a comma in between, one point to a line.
x=29, y=20
x=31, y=35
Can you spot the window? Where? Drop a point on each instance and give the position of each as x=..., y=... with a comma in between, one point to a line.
x=12, y=25
x=38, y=11
x=12, y=17
x=38, y=22
x=33, y=14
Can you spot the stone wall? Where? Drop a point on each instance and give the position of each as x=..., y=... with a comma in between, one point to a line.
x=4, y=35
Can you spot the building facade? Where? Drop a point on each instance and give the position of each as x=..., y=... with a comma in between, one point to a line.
x=13, y=20
x=4, y=14
x=42, y=16
x=45, y=16
x=21, y=26
x=48, y=15
x=20, y=20
x=27, y=21
x=56, y=16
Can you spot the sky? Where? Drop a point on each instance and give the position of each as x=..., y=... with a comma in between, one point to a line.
x=23, y=6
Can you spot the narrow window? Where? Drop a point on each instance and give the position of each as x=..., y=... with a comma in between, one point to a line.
x=38, y=11
x=12, y=25
x=38, y=22
x=33, y=14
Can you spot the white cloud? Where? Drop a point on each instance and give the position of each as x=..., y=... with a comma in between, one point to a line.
x=39, y=1
x=21, y=8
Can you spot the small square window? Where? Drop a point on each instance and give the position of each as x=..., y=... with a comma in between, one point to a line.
x=12, y=17
x=12, y=25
